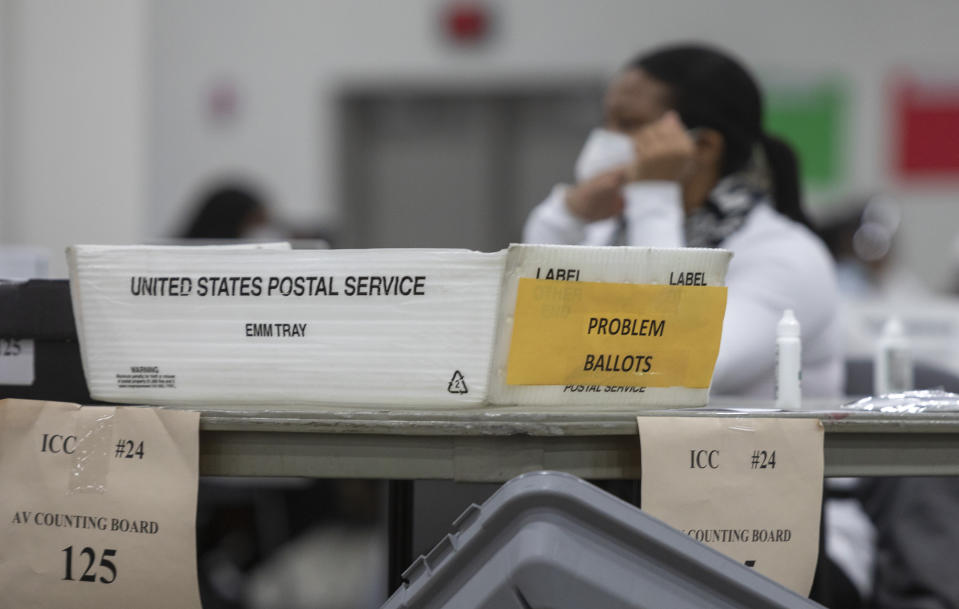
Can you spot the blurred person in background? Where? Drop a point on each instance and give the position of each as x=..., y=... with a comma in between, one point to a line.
x=915, y=519
x=861, y=236
x=682, y=161
x=281, y=544
x=232, y=210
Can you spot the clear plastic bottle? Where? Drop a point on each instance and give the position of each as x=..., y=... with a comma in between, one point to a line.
x=788, y=363
x=892, y=367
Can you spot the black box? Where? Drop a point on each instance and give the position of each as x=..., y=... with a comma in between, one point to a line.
x=40, y=310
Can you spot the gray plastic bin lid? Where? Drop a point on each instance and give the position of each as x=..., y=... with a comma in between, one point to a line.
x=549, y=540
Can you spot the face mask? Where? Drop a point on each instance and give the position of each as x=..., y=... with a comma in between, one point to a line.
x=604, y=150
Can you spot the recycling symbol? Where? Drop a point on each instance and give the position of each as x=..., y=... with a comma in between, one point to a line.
x=457, y=384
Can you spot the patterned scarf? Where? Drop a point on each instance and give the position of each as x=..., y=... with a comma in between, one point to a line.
x=723, y=213
x=729, y=204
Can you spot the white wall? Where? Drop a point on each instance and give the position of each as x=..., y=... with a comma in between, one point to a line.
x=4, y=41
x=288, y=59
x=107, y=138
x=76, y=131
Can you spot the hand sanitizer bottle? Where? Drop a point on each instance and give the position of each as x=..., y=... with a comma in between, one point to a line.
x=892, y=368
x=788, y=363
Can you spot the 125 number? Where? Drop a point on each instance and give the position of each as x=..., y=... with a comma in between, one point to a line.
x=91, y=555
x=10, y=347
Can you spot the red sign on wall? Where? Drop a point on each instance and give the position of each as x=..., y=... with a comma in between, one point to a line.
x=926, y=128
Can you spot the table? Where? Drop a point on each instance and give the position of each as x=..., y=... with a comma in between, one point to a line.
x=493, y=445
x=496, y=444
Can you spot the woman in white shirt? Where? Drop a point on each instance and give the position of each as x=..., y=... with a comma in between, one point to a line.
x=682, y=161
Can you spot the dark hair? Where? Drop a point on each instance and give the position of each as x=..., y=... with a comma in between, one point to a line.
x=223, y=213
x=711, y=89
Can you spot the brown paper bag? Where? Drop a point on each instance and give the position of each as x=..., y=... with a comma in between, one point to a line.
x=97, y=506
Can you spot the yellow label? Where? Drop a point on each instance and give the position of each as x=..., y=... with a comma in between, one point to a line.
x=584, y=333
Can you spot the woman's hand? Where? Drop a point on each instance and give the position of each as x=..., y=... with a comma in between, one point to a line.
x=598, y=198
x=664, y=150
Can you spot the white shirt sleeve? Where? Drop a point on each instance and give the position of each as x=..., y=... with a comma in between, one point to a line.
x=747, y=352
x=653, y=213
x=552, y=222
x=776, y=267
x=779, y=269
